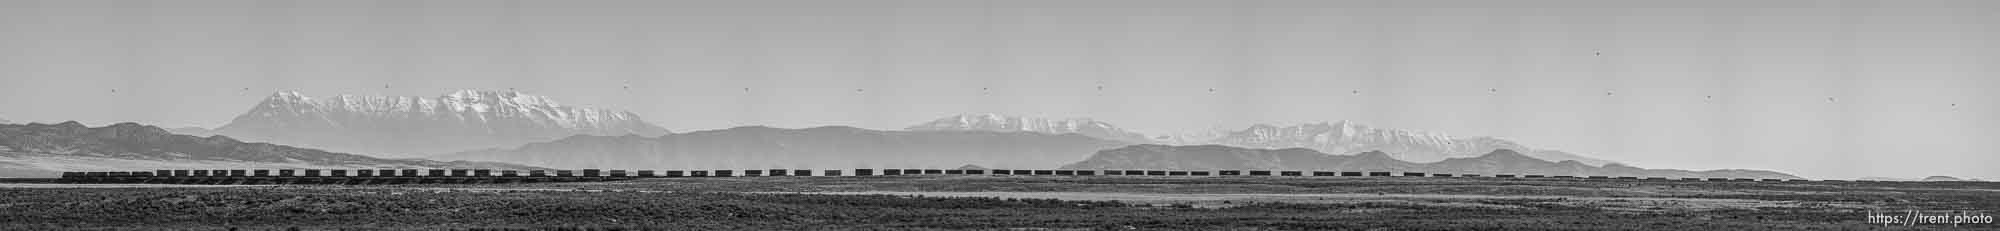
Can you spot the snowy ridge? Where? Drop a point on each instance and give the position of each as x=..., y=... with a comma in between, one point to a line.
x=1407, y=145
x=468, y=105
x=1005, y=123
x=402, y=126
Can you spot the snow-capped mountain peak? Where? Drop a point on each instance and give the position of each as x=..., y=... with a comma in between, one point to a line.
x=1349, y=137
x=1006, y=123
x=457, y=121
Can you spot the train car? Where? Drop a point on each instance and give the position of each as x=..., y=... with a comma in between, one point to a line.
x=676, y=173
x=1325, y=173
x=1003, y=172
x=1414, y=174
x=181, y=173
x=698, y=173
x=892, y=172
x=1177, y=173
x=648, y=174
x=864, y=172
x=1135, y=172
x=1199, y=173
x=1534, y=176
x=1260, y=173
x=1156, y=172
x=1086, y=172
x=364, y=173
x=753, y=172
x=510, y=173
x=482, y=173
x=1065, y=172
x=831, y=173
x=239, y=173
x=778, y=172
x=933, y=171
x=409, y=173
x=200, y=173
x=593, y=173
x=1024, y=172
x=565, y=173
x=337, y=173
x=619, y=173
x=385, y=172
x=954, y=172
x=1230, y=172
x=1597, y=177
x=975, y=172
x=1504, y=176
x=260, y=172
x=1114, y=173
x=723, y=173
x=1628, y=178
x=1291, y=173
x=1469, y=175
x=1381, y=174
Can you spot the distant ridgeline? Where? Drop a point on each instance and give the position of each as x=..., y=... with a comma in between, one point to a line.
x=1210, y=157
x=45, y=150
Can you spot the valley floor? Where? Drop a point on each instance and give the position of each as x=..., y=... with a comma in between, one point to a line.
x=1005, y=202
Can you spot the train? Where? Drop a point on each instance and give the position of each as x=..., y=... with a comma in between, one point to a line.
x=488, y=176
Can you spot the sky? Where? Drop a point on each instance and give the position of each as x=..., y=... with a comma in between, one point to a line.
x=1822, y=89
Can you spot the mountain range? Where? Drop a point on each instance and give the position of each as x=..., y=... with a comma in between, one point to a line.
x=1347, y=137
x=44, y=150
x=1503, y=161
x=832, y=147
x=416, y=126
x=1003, y=123
x=1338, y=137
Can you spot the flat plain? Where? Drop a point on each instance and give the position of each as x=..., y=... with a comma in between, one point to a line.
x=1004, y=202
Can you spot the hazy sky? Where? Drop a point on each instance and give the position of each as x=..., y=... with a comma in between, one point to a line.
x=1524, y=70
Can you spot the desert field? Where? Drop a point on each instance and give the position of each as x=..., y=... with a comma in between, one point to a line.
x=1004, y=202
